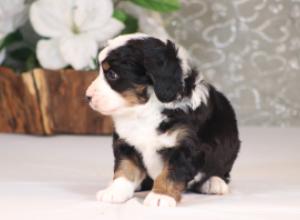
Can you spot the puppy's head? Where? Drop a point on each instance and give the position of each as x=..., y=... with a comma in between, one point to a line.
x=132, y=67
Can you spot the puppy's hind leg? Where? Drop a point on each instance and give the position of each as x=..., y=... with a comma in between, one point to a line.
x=213, y=185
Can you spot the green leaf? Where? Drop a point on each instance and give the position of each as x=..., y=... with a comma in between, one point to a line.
x=10, y=39
x=131, y=23
x=159, y=5
x=21, y=53
x=22, y=59
x=120, y=15
x=96, y=64
x=31, y=62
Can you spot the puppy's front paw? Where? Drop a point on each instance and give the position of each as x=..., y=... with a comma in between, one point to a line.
x=215, y=185
x=119, y=191
x=113, y=195
x=159, y=200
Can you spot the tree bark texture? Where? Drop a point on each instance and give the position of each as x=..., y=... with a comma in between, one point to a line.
x=48, y=102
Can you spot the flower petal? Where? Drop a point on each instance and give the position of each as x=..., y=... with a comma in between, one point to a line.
x=78, y=50
x=51, y=18
x=2, y=56
x=109, y=30
x=11, y=7
x=6, y=27
x=13, y=14
x=20, y=18
x=91, y=14
x=49, y=55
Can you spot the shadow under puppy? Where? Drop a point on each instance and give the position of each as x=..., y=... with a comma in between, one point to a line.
x=173, y=130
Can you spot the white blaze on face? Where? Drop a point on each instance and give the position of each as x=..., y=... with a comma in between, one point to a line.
x=118, y=42
x=103, y=98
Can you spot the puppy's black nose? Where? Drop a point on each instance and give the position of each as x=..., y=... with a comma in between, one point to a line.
x=88, y=98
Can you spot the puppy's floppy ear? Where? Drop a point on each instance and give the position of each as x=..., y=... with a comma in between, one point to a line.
x=163, y=67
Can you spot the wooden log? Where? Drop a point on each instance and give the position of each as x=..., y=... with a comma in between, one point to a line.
x=49, y=102
x=63, y=105
x=19, y=109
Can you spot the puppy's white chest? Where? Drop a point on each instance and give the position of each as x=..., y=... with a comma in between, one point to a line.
x=141, y=132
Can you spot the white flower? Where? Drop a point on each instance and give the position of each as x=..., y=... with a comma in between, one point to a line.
x=76, y=28
x=13, y=14
x=2, y=56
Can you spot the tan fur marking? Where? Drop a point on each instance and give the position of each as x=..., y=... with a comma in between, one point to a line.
x=133, y=96
x=105, y=66
x=180, y=132
x=164, y=185
x=128, y=169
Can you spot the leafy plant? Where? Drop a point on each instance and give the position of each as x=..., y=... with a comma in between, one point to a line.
x=21, y=55
x=131, y=23
x=10, y=39
x=159, y=5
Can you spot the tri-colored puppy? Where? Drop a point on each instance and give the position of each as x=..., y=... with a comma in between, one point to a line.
x=173, y=130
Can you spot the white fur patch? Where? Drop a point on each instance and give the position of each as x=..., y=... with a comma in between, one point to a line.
x=118, y=42
x=159, y=200
x=104, y=98
x=199, y=95
x=119, y=191
x=215, y=185
x=196, y=179
x=200, y=92
x=138, y=126
x=184, y=57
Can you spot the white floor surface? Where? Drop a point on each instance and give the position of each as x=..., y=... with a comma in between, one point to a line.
x=57, y=178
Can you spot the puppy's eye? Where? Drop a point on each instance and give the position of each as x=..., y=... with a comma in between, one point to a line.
x=112, y=75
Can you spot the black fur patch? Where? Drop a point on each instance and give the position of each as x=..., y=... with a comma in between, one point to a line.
x=189, y=82
x=212, y=145
x=147, y=62
x=163, y=67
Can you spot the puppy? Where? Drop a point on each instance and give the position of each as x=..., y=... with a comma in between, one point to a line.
x=173, y=130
